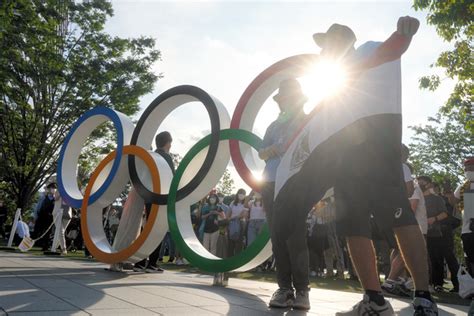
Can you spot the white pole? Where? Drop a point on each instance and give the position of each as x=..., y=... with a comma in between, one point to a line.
x=15, y=224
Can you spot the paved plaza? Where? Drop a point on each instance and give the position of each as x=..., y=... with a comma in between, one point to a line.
x=39, y=285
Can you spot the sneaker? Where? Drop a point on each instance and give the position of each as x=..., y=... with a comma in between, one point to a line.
x=439, y=289
x=424, y=307
x=366, y=307
x=282, y=298
x=151, y=268
x=302, y=300
x=395, y=288
x=179, y=262
x=313, y=273
x=139, y=268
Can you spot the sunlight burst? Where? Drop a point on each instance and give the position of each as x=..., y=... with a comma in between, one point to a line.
x=325, y=79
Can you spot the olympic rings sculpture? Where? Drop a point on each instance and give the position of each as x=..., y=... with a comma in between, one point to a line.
x=152, y=179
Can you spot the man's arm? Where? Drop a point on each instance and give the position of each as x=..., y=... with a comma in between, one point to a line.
x=394, y=47
x=442, y=212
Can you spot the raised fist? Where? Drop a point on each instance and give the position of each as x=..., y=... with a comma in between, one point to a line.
x=407, y=25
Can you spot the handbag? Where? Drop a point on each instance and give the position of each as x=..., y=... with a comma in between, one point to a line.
x=466, y=283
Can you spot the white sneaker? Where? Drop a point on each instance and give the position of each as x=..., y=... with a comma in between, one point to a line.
x=424, y=307
x=179, y=262
x=366, y=307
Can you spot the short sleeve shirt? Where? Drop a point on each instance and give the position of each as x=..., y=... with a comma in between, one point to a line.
x=420, y=212
x=434, y=206
x=407, y=173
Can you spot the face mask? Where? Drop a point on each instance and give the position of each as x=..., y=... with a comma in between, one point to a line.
x=469, y=175
x=221, y=200
x=212, y=200
x=241, y=197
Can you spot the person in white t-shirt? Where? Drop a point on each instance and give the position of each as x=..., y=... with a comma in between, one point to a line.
x=418, y=206
x=237, y=216
x=464, y=197
x=256, y=218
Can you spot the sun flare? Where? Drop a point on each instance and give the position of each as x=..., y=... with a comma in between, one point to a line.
x=324, y=79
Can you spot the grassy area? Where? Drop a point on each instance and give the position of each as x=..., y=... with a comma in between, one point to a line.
x=316, y=282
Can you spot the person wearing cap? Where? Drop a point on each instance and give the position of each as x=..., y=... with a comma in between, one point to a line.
x=45, y=217
x=369, y=176
x=290, y=250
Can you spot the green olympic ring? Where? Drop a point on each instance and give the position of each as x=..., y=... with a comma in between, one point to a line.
x=189, y=245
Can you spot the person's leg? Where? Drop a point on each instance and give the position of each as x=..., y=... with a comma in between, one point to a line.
x=397, y=266
x=172, y=248
x=328, y=255
x=362, y=252
x=213, y=242
x=153, y=258
x=206, y=241
x=231, y=247
x=468, y=246
x=415, y=255
x=436, y=276
x=450, y=257
x=62, y=236
x=251, y=232
x=299, y=258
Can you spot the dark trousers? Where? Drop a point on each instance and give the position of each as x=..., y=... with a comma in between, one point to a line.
x=436, y=259
x=152, y=258
x=2, y=223
x=234, y=247
x=41, y=225
x=468, y=246
x=447, y=252
x=289, y=247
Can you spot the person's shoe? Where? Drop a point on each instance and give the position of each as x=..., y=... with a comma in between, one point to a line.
x=139, y=268
x=282, y=298
x=302, y=300
x=366, y=307
x=395, y=288
x=454, y=290
x=313, y=273
x=151, y=268
x=424, y=307
x=179, y=262
x=439, y=289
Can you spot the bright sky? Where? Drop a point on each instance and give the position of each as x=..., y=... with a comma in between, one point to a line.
x=222, y=46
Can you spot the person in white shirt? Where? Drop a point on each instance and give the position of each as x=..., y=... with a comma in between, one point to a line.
x=256, y=218
x=237, y=215
x=464, y=197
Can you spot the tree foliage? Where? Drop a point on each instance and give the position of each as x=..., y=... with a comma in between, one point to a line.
x=439, y=148
x=454, y=23
x=226, y=184
x=56, y=62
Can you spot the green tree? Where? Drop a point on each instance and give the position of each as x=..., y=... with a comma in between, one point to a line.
x=226, y=184
x=56, y=62
x=438, y=149
x=453, y=21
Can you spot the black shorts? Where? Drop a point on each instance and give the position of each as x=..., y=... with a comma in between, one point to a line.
x=369, y=181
